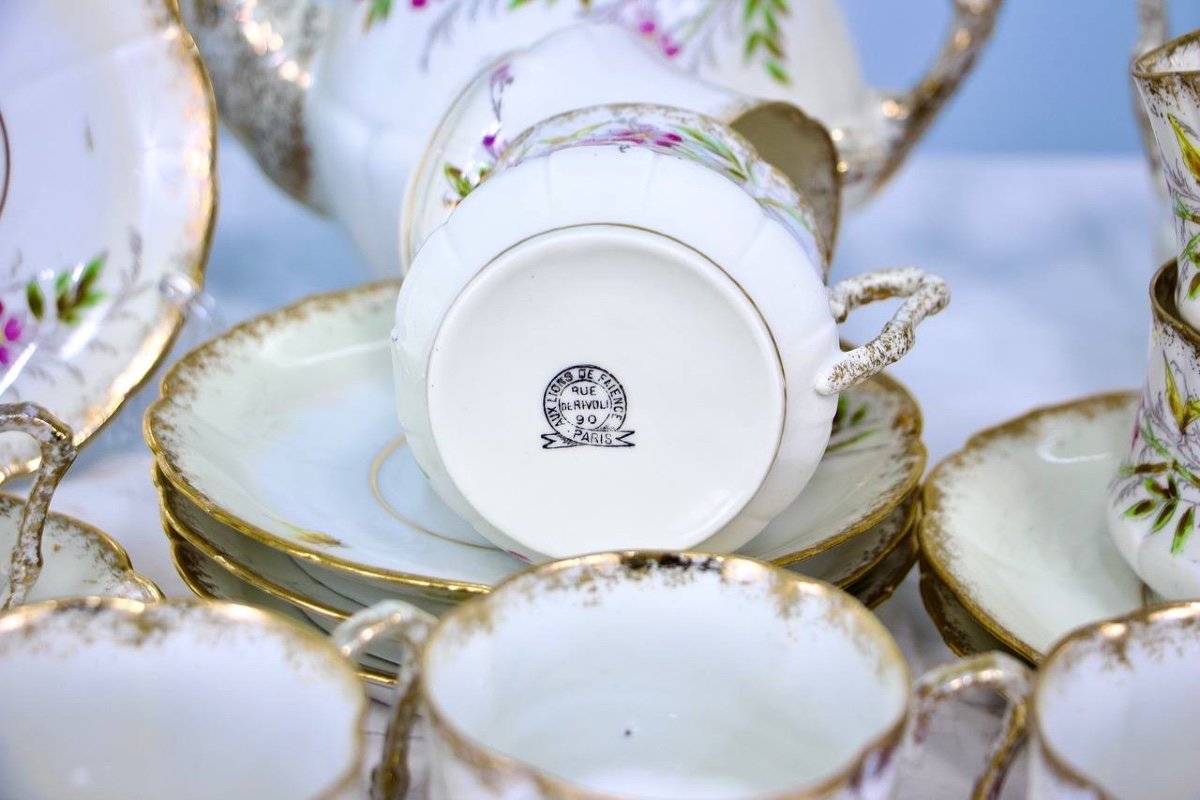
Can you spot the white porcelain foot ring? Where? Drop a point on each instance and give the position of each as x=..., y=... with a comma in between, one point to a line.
x=585, y=364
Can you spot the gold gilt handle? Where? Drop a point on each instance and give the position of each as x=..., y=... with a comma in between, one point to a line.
x=397, y=620
x=1012, y=679
x=908, y=114
x=58, y=453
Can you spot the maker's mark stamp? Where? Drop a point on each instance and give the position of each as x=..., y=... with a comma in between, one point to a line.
x=585, y=405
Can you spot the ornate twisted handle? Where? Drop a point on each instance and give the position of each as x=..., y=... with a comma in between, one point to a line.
x=927, y=295
x=908, y=114
x=1152, y=33
x=411, y=626
x=58, y=453
x=996, y=671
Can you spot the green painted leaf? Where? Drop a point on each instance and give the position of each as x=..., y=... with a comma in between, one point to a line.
x=35, y=299
x=1183, y=531
x=1164, y=516
x=777, y=72
x=1194, y=286
x=1154, y=488
x=1141, y=508
x=1146, y=469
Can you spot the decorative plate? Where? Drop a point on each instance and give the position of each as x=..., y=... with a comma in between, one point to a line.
x=284, y=430
x=107, y=192
x=1014, y=523
x=961, y=632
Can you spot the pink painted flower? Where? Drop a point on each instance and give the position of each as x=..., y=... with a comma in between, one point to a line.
x=669, y=46
x=10, y=337
x=419, y=3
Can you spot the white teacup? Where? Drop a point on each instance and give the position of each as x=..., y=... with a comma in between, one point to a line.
x=192, y=701
x=1116, y=710
x=622, y=339
x=655, y=675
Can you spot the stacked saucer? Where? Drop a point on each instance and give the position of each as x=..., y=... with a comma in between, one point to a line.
x=1015, y=548
x=285, y=479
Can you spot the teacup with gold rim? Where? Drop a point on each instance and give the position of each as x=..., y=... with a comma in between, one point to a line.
x=110, y=698
x=1152, y=509
x=667, y=675
x=623, y=338
x=1116, y=710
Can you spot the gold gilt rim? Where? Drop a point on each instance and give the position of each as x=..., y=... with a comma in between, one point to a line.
x=934, y=608
x=909, y=420
x=233, y=613
x=176, y=529
x=139, y=372
x=895, y=575
x=485, y=758
x=1115, y=631
x=907, y=527
x=930, y=530
x=1142, y=65
x=120, y=557
x=179, y=555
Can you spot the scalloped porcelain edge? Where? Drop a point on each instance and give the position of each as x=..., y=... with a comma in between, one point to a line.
x=208, y=581
x=1014, y=523
x=105, y=284
x=321, y=592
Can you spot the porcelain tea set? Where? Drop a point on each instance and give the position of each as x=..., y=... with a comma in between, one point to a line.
x=594, y=497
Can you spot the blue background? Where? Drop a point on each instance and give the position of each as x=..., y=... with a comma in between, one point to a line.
x=1054, y=78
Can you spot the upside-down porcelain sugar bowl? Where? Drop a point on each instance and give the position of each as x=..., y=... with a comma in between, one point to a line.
x=338, y=100
x=622, y=339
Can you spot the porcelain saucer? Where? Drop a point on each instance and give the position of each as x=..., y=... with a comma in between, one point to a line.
x=284, y=430
x=1014, y=523
x=207, y=580
x=107, y=197
x=333, y=596
x=80, y=561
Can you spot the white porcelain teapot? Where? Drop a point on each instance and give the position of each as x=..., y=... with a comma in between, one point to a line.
x=338, y=98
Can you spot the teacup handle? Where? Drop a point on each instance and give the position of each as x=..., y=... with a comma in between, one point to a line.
x=996, y=671
x=410, y=625
x=58, y=453
x=909, y=113
x=926, y=295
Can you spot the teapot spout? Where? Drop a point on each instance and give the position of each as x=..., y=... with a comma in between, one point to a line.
x=259, y=55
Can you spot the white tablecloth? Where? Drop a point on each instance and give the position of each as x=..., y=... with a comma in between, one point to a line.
x=1049, y=260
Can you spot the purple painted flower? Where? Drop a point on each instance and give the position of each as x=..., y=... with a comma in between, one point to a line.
x=669, y=46
x=419, y=3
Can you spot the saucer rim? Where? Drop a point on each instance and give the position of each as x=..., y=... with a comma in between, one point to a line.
x=930, y=529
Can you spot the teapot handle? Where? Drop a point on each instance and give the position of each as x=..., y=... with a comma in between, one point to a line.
x=58, y=453
x=926, y=295
x=908, y=114
x=411, y=626
x=1152, y=33
x=996, y=671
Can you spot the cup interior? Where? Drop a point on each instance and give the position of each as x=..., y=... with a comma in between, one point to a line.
x=1179, y=55
x=670, y=677
x=1119, y=705
x=191, y=701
